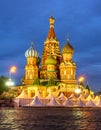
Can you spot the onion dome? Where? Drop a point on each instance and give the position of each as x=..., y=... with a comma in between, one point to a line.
x=50, y=60
x=67, y=48
x=31, y=52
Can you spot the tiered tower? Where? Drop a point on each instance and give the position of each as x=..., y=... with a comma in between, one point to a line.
x=51, y=46
x=67, y=66
x=31, y=68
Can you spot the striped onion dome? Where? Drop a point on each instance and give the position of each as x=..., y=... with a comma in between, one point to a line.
x=31, y=52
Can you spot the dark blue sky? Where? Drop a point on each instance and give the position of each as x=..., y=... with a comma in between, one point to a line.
x=22, y=21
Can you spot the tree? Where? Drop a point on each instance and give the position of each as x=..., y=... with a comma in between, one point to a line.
x=36, y=81
x=99, y=93
x=51, y=82
x=3, y=86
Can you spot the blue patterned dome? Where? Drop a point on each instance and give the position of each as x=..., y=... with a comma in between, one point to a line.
x=31, y=52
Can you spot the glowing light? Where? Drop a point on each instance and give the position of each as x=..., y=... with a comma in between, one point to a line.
x=81, y=79
x=13, y=69
x=77, y=90
x=10, y=83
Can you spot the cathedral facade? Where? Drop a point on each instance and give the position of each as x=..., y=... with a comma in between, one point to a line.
x=56, y=64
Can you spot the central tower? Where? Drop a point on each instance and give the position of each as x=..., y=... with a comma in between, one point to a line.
x=51, y=47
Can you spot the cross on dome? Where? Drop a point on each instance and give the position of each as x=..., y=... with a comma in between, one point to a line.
x=67, y=37
x=32, y=44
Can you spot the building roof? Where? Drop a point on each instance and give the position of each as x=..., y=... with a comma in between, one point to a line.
x=50, y=60
x=31, y=52
x=67, y=48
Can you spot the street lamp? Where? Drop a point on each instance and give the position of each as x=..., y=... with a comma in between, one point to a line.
x=12, y=70
x=81, y=79
x=10, y=82
x=78, y=91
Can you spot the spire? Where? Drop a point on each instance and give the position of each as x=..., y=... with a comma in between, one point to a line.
x=32, y=44
x=67, y=38
x=51, y=33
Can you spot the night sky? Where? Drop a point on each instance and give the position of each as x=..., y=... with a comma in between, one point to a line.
x=23, y=21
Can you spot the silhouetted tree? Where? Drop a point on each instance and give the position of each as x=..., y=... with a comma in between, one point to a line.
x=3, y=86
x=51, y=81
x=36, y=81
x=99, y=93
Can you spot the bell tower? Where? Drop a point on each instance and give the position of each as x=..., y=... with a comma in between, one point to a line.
x=51, y=46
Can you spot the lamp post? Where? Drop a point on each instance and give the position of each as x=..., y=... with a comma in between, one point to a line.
x=81, y=80
x=78, y=89
x=10, y=82
x=12, y=70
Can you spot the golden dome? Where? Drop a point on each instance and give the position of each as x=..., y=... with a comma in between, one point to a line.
x=50, y=61
x=67, y=48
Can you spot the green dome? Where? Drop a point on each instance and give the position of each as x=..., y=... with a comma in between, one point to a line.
x=50, y=61
x=67, y=48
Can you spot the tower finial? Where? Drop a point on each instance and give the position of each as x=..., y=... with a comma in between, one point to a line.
x=51, y=21
x=67, y=37
x=32, y=44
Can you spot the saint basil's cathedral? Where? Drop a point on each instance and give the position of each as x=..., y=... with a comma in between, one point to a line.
x=54, y=63
x=60, y=66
